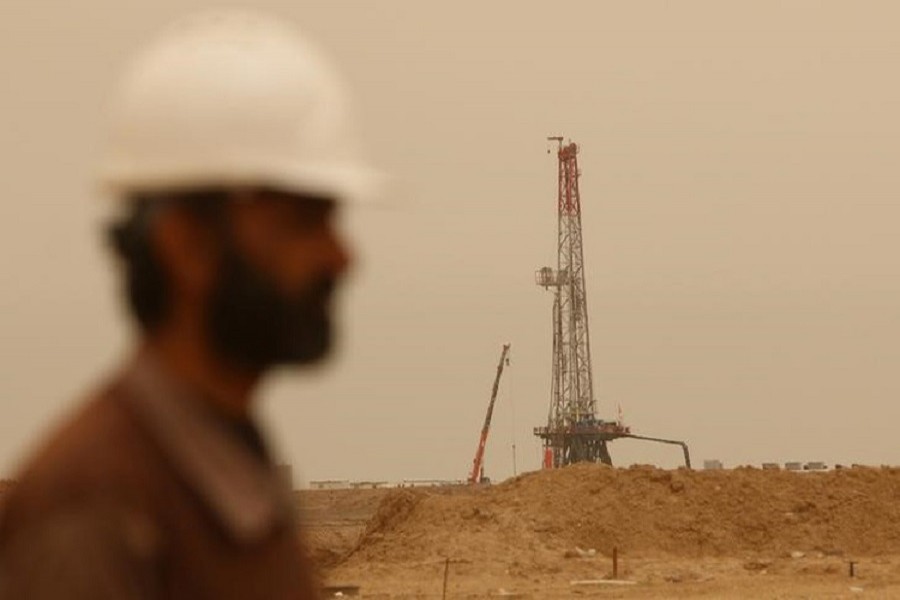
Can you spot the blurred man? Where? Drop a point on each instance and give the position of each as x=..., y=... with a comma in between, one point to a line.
x=231, y=149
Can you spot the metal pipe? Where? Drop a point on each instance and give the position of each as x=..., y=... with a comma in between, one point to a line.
x=684, y=446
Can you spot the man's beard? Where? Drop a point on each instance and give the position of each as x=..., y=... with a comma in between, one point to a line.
x=257, y=326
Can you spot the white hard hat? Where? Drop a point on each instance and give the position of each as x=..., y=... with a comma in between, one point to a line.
x=234, y=98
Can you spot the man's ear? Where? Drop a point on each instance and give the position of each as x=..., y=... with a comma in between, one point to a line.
x=187, y=251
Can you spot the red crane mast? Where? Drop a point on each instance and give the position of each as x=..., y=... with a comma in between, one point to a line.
x=477, y=474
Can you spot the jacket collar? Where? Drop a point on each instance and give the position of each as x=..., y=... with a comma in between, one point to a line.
x=243, y=492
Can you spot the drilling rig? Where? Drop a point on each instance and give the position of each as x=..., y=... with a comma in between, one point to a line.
x=573, y=432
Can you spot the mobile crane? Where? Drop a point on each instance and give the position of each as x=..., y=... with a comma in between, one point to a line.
x=477, y=474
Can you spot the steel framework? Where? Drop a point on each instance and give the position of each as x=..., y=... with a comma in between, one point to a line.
x=573, y=432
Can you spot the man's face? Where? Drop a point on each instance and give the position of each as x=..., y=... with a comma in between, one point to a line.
x=280, y=261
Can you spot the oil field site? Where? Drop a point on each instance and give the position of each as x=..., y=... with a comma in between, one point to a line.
x=581, y=527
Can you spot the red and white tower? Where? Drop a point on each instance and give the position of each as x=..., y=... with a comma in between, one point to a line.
x=573, y=432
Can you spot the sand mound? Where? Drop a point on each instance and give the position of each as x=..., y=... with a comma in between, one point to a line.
x=644, y=512
x=394, y=509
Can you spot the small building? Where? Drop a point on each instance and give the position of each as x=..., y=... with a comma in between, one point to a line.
x=427, y=483
x=793, y=466
x=331, y=484
x=713, y=465
x=368, y=485
x=769, y=466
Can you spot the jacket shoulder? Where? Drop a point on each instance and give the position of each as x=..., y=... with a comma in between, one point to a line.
x=99, y=453
x=82, y=510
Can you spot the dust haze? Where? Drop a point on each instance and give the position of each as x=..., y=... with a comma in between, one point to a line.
x=740, y=227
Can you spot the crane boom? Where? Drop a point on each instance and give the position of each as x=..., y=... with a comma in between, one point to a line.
x=477, y=474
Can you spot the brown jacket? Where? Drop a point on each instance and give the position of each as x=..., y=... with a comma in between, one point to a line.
x=143, y=495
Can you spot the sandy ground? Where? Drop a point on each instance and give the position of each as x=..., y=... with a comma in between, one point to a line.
x=733, y=534
x=812, y=577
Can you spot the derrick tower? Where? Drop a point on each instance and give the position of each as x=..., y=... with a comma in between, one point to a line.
x=573, y=432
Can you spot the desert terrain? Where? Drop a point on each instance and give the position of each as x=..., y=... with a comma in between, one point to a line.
x=741, y=533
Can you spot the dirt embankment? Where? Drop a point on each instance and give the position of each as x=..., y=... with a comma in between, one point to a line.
x=644, y=512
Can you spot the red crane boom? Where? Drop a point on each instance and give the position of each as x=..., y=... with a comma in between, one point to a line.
x=477, y=474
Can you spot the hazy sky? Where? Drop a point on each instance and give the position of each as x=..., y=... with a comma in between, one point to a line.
x=741, y=221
